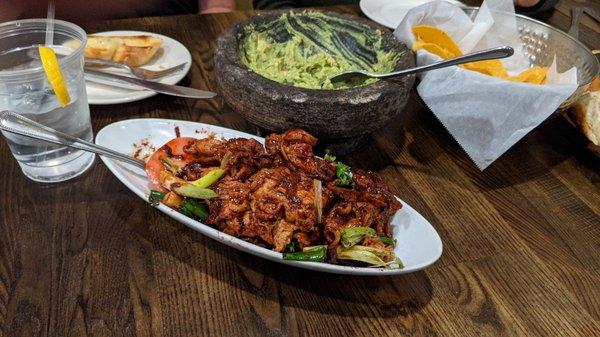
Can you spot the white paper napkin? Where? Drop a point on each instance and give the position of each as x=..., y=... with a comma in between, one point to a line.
x=485, y=114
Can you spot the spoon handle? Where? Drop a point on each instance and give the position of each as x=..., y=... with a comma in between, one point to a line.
x=17, y=124
x=488, y=54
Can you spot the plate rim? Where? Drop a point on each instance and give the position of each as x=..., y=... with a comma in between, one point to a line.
x=364, y=9
x=138, y=95
x=245, y=246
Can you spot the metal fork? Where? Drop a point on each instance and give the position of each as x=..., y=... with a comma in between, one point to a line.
x=142, y=73
x=17, y=124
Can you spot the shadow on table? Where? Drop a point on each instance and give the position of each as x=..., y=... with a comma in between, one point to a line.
x=342, y=295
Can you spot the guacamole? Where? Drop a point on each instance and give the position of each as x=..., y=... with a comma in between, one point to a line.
x=305, y=49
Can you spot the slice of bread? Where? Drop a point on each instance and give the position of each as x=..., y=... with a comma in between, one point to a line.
x=586, y=113
x=133, y=51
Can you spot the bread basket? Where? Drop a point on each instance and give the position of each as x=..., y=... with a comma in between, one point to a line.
x=541, y=42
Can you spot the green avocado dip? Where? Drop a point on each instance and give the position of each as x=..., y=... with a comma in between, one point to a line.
x=305, y=49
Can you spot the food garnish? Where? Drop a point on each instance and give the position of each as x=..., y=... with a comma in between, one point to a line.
x=318, y=199
x=280, y=196
x=193, y=209
x=439, y=42
x=343, y=172
x=209, y=179
x=374, y=257
x=54, y=75
x=314, y=254
x=155, y=197
x=387, y=240
x=353, y=235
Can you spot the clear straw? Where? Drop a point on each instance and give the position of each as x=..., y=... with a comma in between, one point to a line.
x=50, y=24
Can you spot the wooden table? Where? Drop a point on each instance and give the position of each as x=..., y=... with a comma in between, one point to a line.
x=521, y=240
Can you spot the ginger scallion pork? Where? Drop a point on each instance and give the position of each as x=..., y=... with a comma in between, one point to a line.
x=279, y=196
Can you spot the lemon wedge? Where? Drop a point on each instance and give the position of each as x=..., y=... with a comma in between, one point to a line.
x=54, y=75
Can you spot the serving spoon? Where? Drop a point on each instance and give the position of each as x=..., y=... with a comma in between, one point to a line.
x=488, y=54
x=17, y=124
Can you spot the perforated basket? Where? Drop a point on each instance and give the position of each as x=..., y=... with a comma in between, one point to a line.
x=541, y=42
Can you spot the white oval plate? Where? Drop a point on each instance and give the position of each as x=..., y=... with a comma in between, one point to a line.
x=391, y=12
x=170, y=54
x=418, y=244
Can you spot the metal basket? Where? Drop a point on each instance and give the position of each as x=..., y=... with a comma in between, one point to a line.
x=541, y=42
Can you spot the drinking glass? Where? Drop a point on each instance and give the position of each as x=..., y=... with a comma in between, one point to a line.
x=25, y=90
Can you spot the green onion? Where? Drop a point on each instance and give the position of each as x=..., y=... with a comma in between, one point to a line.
x=361, y=256
x=373, y=256
x=155, y=197
x=292, y=247
x=172, y=165
x=354, y=235
x=343, y=174
x=193, y=209
x=226, y=159
x=209, y=178
x=387, y=240
x=329, y=157
x=318, y=185
x=342, y=171
x=193, y=191
x=313, y=253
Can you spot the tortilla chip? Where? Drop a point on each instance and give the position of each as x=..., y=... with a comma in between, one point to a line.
x=432, y=48
x=438, y=42
x=437, y=36
x=490, y=67
x=535, y=75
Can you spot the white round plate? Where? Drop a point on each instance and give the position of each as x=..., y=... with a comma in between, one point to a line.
x=391, y=12
x=170, y=54
x=418, y=244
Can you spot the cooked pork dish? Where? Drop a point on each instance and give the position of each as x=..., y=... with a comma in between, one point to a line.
x=279, y=196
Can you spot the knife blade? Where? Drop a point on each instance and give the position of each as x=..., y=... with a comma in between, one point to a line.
x=174, y=90
x=591, y=12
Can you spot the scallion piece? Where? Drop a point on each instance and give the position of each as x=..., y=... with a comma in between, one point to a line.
x=375, y=257
x=173, y=165
x=155, y=197
x=209, y=178
x=193, y=191
x=387, y=240
x=354, y=235
x=193, y=209
x=318, y=185
x=343, y=174
x=292, y=247
x=226, y=158
x=313, y=253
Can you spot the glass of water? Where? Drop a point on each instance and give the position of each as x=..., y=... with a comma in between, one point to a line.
x=25, y=90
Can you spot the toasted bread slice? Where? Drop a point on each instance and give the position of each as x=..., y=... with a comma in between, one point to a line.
x=586, y=113
x=133, y=51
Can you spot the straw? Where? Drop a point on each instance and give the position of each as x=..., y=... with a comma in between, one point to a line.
x=50, y=24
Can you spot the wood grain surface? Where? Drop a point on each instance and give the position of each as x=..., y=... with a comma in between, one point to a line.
x=521, y=240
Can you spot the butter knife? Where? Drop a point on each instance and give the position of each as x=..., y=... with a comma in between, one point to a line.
x=174, y=90
x=592, y=12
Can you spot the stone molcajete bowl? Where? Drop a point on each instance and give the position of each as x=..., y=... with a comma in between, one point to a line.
x=340, y=118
